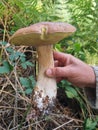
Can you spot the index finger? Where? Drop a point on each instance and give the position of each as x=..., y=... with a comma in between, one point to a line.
x=61, y=57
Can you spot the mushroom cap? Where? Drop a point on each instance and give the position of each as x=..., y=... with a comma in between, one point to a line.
x=42, y=33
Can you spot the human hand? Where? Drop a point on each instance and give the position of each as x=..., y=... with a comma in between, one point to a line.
x=72, y=69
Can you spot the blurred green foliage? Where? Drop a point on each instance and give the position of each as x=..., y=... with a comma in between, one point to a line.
x=82, y=14
x=90, y=124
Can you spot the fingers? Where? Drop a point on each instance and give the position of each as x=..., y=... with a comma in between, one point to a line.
x=56, y=63
x=59, y=56
x=62, y=58
x=58, y=72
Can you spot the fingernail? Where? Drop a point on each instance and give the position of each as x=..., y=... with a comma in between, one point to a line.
x=49, y=72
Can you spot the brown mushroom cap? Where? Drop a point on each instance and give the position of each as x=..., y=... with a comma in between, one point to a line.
x=42, y=33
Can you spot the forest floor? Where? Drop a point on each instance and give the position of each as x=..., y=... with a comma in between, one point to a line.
x=62, y=117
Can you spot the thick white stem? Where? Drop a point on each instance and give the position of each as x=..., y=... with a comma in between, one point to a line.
x=46, y=88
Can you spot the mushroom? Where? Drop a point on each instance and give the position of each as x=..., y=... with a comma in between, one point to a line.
x=43, y=35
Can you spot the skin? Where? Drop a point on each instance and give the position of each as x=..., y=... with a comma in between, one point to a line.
x=72, y=69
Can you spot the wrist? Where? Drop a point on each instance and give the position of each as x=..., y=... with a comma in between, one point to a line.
x=91, y=78
x=95, y=68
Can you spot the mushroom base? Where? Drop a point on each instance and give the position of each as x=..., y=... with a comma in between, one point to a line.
x=42, y=105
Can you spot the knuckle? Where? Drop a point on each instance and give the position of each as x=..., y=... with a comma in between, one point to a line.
x=69, y=55
x=55, y=71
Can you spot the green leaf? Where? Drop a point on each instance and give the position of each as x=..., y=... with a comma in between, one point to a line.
x=15, y=55
x=58, y=47
x=6, y=68
x=90, y=124
x=77, y=47
x=33, y=82
x=25, y=82
x=28, y=91
x=71, y=92
x=10, y=50
x=22, y=58
x=26, y=64
x=28, y=84
x=3, y=43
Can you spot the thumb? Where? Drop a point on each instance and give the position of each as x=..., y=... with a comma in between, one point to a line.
x=57, y=72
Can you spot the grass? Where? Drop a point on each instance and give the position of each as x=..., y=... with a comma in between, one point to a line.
x=91, y=59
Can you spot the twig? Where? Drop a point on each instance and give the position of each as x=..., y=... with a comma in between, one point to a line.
x=13, y=86
x=28, y=125
x=59, y=115
x=63, y=124
x=18, y=108
x=1, y=128
x=2, y=91
x=3, y=87
x=16, y=99
x=56, y=122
